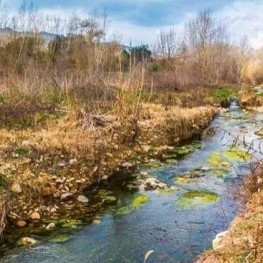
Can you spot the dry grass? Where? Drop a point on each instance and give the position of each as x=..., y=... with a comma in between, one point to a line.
x=29, y=155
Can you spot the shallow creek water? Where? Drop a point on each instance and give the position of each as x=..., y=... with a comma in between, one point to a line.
x=177, y=224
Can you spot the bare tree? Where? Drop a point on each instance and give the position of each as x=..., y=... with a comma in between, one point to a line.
x=168, y=43
x=205, y=38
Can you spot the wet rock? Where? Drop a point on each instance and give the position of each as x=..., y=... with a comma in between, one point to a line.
x=96, y=221
x=50, y=226
x=16, y=188
x=66, y=196
x=83, y=199
x=26, y=241
x=217, y=242
x=205, y=169
x=35, y=216
x=21, y=223
x=73, y=162
x=143, y=173
x=153, y=183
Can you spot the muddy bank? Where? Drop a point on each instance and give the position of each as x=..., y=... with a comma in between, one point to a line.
x=44, y=170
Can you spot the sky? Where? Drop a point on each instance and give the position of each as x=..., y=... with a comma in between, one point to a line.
x=139, y=21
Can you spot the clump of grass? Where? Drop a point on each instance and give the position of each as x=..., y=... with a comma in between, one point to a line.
x=224, y=93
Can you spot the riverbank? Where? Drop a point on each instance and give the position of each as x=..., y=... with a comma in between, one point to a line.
x=45, y=169
x=243, y=241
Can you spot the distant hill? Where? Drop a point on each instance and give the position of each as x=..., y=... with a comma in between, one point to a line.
x=8, y=32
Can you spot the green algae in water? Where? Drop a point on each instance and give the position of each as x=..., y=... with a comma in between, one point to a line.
x=107, y=197
x=166, y=192
x=136, y=203
x=221, y=161
x=196, y=198
x=124, y=210
x=71, y=223
x=60, y=239
x=237, y=154
x=183, y=180
x=140, y=200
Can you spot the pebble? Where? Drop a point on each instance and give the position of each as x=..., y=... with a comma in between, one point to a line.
x=73, y=162
x=65, y=196
x=105, y=178
x=62, y=164
x=16, y=188
x=25, y=241
x=83, y=199
x=21, y=223
x=50, y=226
x=205, y=169
x=127, y=165
x=35, y=216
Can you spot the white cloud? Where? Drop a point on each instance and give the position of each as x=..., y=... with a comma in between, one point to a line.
x=244, y=18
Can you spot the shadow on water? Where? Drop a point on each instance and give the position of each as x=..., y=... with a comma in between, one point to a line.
x=124, y=221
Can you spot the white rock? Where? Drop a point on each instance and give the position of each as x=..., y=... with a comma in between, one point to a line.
x=62, y=164
x=16, y=188
x=65, y=196
x=127, y=165
x=25, y=143
x=25, y=241
x=105, y=178
x=50, y=226
x=73, y=162
x=83, y=199
x=205, y=169
x=218, y=240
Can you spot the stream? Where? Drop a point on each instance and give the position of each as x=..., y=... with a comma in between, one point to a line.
x=176, y=224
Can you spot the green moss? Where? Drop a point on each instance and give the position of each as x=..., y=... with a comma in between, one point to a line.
x=195, y=198
x=140, y=200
